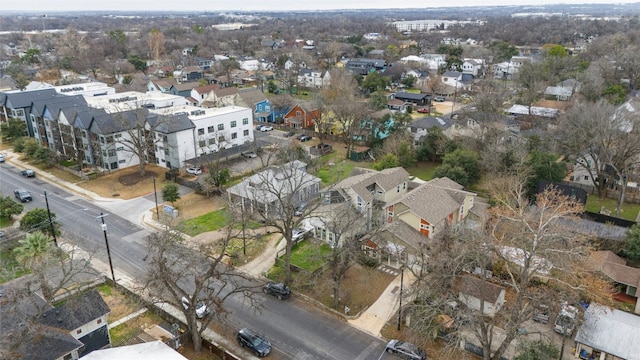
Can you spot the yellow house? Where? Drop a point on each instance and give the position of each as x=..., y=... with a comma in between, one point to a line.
x=329, y=125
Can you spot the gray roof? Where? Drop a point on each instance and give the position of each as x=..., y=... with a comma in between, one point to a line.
x=399, y=230
x=410, y=96
x=386, y=179
x=282, y=180
x=169, y=124
x=252, y=96
x=76, y=311
x=434, y=200
x=117, y=122
x=429, y=122
x=612, y=331
x=22, y=99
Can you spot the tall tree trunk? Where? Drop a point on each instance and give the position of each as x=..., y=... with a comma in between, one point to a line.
x=287, y=262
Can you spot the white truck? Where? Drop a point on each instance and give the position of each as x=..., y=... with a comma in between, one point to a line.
x=566, y=319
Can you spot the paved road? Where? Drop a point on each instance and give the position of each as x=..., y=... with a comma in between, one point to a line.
x=297, y=329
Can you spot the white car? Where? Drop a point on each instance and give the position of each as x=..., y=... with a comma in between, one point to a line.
x=297, y=234
x=194, y=170
x=266, y=128
x=202, y=309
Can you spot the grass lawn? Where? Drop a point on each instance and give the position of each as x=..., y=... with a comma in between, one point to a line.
x=211, y=221
x=423, y=170
x=5, y=222
x=123, y=333
x=10, y=268
x=628, y=211
x=309, y=255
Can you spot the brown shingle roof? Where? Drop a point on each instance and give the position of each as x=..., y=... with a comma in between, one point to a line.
x=614, y=267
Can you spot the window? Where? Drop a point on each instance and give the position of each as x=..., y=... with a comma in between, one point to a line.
x=166, y=151
x=68, y=357
x=234, y=136
x=201, y=131
x=104, y=152
x=220, y=126
x=404, y=185
x=112, y=152
x=202, y=143
x=120, y=148
x=398, y=190
x=212, y=141
x=245, y=121
x=233, y=124
x=211, y=129
x=117, y=136
x=114, y=165
x=221, y=138
x=164, y=138
x=109, y=139
x=586, y=177
x=245, y=133
x=99, y=321
x=122, y=161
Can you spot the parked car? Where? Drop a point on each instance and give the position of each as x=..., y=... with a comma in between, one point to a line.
x=248, y=154
x=28, y=173
x=266, y=128
x=300, y=136
x=405, y=349
x=22, y=195
x=202, y=309
x=299, y=209
x=297, y=234
x=2, y=234
x=305, y=138
x=566, y=319
x=3, y=157
x=194, y=170
x=259, y=127
x=279, y=290
x=439, y=99
x=289, y=134
x=423, y=110
x=254, y=341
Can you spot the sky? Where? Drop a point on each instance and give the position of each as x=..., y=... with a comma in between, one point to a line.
x=44, y=6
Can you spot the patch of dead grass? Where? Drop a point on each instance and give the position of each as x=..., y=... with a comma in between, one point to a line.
x=109, y=185
x=120, y=305
x=361, y=286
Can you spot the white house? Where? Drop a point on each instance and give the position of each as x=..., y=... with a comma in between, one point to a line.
x=313, y=78
x=434, y=61
x=474, y=67
x=480, y=295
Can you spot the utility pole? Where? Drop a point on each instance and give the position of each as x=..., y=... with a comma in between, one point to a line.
x=155, y=194
x=106, y=240
x=400, y=307
x=51, y=227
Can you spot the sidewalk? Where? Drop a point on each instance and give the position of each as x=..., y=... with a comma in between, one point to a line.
x=371, y=320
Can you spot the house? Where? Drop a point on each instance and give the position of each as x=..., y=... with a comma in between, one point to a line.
x=204, y=63
x=626, y=279
x=68, y=331
x=457, y=80
x=419, y=128
x=364, y=66
x=265, y=191
x=479, y=294
x=398, y=105
x=300, y=118
x=147, y=350
x=162, y=85
x=433, y=206
x=434, y=61
x=255, y=99
x=369, y=191
x=377, y=125
x=397, y=244
x=421, y=76
x=310, y=78
x=413, y=98
x=608, y=334
x=474, y=67
x=220, y=97
x=188, y=73
x=200, y=93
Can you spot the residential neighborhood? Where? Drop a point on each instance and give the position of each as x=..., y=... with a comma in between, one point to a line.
x=206, y=187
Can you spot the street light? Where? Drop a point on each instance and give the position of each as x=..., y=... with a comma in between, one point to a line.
x=104, y=230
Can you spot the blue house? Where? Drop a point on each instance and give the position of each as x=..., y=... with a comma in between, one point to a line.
x=378, y=126
x=255, y=99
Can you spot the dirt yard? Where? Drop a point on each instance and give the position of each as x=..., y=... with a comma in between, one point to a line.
x=126, y=183
x=361, y=287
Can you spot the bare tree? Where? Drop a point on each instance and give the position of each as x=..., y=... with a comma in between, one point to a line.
x=196, y=272
x=344, y=227
x=156, y=42
x=527, y=247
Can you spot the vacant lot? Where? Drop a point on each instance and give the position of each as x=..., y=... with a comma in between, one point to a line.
x=126, y=183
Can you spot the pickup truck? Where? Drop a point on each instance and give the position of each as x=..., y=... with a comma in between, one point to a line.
x=566, y=320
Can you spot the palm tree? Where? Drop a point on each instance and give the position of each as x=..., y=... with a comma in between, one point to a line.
x=33, y=253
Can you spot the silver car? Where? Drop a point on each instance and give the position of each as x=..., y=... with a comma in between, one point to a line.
x=405, y=349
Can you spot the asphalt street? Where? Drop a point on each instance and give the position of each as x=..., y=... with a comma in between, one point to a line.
x=297, y=329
